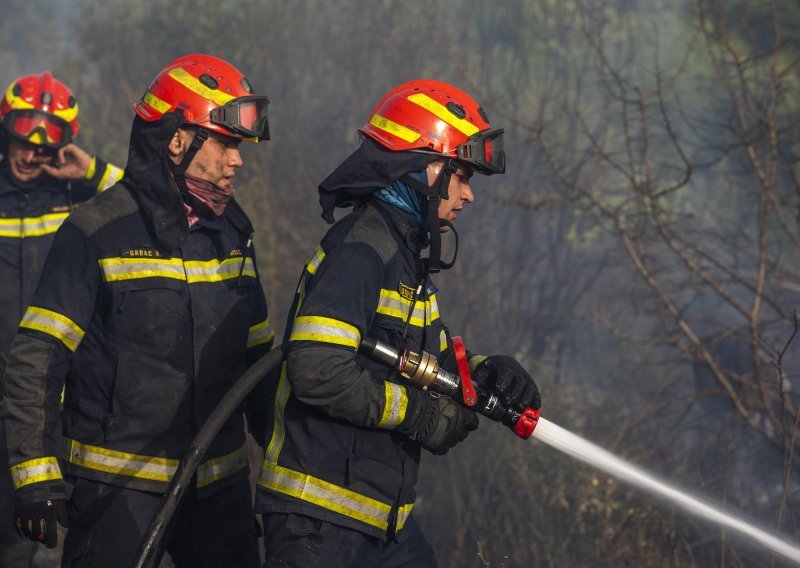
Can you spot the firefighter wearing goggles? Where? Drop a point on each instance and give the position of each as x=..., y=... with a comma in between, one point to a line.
x=338, y=482
x=43, y=176
x=149, y=309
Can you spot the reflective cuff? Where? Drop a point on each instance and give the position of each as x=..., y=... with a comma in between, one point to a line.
x=442, y=342
x=325, y=330
x=35, y=471
x=259, y=334
x=111, y=175
x=54, y=324
x=475, y=360
x=394, y=409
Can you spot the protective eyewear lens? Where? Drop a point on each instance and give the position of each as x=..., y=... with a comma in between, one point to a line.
x=246, y=116
x=39, y=128
x=484, y=151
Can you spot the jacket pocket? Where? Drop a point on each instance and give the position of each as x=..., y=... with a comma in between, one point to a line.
x=114, y=423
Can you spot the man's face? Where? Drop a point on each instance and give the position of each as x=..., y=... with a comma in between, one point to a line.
x=217, y=159
x=458, y=191
x=25, y=159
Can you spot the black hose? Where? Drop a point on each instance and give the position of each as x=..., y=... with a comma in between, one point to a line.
x=149, y=553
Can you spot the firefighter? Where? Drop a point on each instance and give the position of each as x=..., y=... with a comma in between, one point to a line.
x=148, y=309
x=341, y=463
x=43, y=176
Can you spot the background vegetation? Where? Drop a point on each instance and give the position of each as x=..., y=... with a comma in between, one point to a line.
x=640, y=255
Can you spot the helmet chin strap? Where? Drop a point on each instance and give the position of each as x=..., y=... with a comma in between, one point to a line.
x=435, y=193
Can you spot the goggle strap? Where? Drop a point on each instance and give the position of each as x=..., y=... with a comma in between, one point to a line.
x=199, y=139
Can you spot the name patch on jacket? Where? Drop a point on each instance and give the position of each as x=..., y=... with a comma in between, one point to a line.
x=140, y=252
x=406, y=291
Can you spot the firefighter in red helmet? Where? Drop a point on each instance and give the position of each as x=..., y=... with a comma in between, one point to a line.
x=44, y=175
x=337, y=486
x=149, y=309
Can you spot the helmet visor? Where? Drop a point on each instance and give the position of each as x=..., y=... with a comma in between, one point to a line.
x=38, y=127
x=245, y=116
x=484, y=152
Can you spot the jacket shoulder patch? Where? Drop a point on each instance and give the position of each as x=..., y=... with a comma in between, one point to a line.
x=111, y=205
x=371, y=229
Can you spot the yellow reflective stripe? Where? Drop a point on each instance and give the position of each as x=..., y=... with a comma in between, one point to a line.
x=398, y=130
x=391, y=303
x=325, y=330
x=91, y=169
x=259, y=334
x=316, y=260
x=476, y=360
x=441, y=111
x=279, y=429
x=442, y=342
x=32, y=226
x=216, y=271
x=119, y=463
x=111, y=176
x=192, y=271
x=68, y=113
x=194, y=85
x=402, y=515
x=327, y=495
x=15, y=101
x=117, y=269
x=219, y=468
x=394, y=409
x=55, y=324
x=34, y=471
x=156, y=103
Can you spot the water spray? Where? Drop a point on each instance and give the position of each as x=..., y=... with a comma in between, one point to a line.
x=422, y=371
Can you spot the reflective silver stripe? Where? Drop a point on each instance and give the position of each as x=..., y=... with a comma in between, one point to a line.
x=402, y=515
x=326, y=495
x=191, y=271
x=219, y=468
x=32, y=226
x=117, y=269
x=316, y=260
x=325, y=330
x=149, y=467
x=394, y=409
x=392, y=304
x=259, y=334
x=279, y=429
x=216, y=271
x=119, y=463
x=111, y=176
x=34, y=471
x=55, y=324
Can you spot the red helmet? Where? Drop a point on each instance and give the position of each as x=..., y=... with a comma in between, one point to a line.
x=432, y=116
x=41, y=110
x=211, y=93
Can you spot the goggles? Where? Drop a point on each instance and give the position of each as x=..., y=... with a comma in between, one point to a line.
x=38, y=127
x=484, y=152
x=244, y=116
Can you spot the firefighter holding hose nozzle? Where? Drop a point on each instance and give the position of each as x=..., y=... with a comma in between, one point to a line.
x=347, y=431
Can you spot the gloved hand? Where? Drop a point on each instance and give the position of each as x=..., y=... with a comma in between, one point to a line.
x=442, y=423
x=508, y=379
x=37, y=521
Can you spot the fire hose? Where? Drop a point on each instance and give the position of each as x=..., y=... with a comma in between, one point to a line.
x=422, y=371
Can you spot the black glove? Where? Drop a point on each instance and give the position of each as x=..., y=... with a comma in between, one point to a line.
x=505, y=377
x=442, y=423
x=37, y=521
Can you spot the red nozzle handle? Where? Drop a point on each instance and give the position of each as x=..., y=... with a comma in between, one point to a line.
x=527, y=423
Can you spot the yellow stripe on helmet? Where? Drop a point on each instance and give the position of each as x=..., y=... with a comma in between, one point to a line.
x=15, y=101
x=194, y=85
x=398, y=130
x=152, y=100
x=441, y=111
